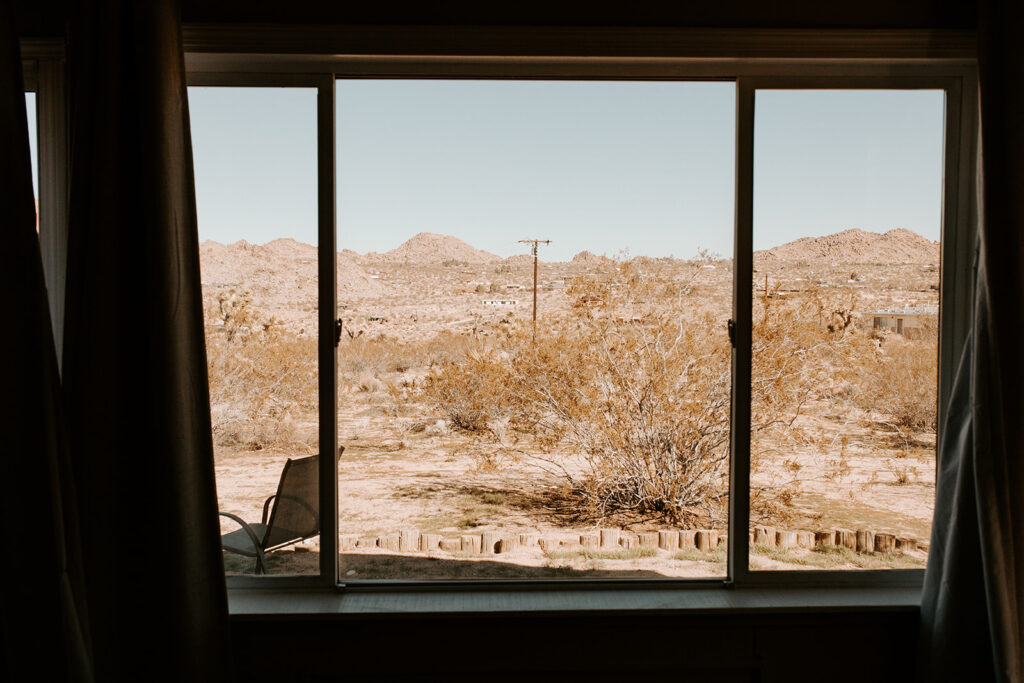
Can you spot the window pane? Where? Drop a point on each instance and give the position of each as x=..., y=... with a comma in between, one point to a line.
x=847, y=218
x=474, y=449
x=256, y=192
x=33, y=142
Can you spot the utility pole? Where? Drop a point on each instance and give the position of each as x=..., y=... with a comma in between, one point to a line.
x=535, y=244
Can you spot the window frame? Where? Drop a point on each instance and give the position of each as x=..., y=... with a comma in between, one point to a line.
x=44, y=73
x=951, y=337
x=327, y=392
x=272, y=58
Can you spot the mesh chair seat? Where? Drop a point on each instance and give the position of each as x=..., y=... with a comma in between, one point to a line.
x=240, y=542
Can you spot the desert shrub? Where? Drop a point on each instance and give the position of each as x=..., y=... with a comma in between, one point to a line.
x=900, y=382
x=469, y=391
x=627, y=398
x=263, y=378
x=645, y=406
x=360, y=356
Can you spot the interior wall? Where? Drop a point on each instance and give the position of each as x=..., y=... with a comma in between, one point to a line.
x=660, y=13
x=47, y=18
x=791, y=648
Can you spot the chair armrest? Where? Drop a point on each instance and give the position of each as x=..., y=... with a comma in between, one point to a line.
x=266, y=508
x=256, y=542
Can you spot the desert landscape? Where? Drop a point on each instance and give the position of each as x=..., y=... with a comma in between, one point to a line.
x=598, y=448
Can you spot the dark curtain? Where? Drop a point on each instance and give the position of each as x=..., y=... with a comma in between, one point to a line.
x=973, y=602
x=134, y=371
x=41, y=607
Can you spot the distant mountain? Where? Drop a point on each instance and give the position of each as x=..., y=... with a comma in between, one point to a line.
x=281, y=275
x=856, y=246
x=589, y=258
x=428, y=247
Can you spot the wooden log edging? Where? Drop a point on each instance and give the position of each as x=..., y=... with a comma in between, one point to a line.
x=865, y=541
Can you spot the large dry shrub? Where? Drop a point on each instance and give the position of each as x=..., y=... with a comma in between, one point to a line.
x=900, y=382
x=627, y=398
x=263, y=378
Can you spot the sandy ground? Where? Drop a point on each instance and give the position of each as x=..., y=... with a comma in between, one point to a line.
x=406, y=472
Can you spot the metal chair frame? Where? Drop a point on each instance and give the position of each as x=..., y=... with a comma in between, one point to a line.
x=267, y=522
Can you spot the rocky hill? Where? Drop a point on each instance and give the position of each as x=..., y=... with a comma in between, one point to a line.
x=856, y=246
x=587, y=258
x=428, y=247
x=281, y=275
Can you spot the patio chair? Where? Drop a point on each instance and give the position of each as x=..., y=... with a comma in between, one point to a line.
x=289, y=516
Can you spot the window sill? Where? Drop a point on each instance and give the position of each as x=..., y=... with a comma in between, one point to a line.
x=284, y=603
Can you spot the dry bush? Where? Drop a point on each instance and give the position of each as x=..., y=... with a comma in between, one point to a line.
x=902, y=474
x=361, y=356
x=263, y=379
x=901, y=381
x=381, y=355
x=470, y=391
x=636, y=383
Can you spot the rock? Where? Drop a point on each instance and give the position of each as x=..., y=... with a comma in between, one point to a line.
x=471, y=544
x=785, y=539
x=508, y=544
x=865, y=541
x=430, y=542
x=904, y=544
x=609, y=538
x=648, y=539
x=668, y=540
x=885, y=543
x=764, y=535
x=846, y=538
x=409, y=540
x=706, y=540
x=489, y=542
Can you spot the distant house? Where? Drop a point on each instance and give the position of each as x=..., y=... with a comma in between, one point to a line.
x=500, y=302
x=909, y=322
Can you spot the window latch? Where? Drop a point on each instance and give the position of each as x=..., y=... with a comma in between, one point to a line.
x=732, y=332
x=337, y=332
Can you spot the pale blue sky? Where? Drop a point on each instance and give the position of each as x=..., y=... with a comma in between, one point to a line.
x=829, y=160
x=30, y=107
x=590, y=165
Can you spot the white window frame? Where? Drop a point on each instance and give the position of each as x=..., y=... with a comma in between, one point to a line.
x=224, y=56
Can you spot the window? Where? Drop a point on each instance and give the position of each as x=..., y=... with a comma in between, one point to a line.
x=256, y=195
x=469, y=454
x=43, y=71
x=843, y=422
x=33, y=139
x=369, y=448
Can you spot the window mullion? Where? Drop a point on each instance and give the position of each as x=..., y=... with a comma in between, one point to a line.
x=327, y=297
x=739, y=461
